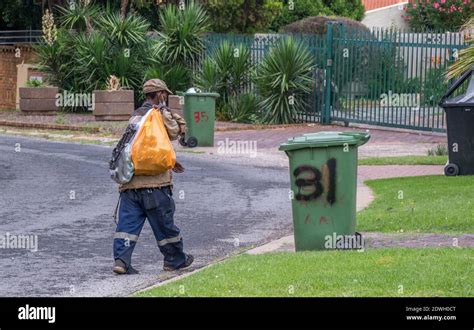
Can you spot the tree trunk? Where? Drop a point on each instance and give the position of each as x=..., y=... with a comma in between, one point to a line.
x=123, y=8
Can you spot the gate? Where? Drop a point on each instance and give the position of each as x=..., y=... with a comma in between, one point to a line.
x=390, y=77
x=385, y=77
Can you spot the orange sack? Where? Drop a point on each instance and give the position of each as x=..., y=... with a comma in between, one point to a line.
x=152, y=151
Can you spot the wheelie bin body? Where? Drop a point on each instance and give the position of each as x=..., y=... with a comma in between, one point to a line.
x=200, y=114
x=460, y=126
x=323, y=175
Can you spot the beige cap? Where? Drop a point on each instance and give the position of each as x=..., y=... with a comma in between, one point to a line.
x=155, y=85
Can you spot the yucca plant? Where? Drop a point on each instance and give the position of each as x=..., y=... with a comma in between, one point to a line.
x=240, y=108
x=79, y=15
x=177, y=77
x=92, y=59
x=283, y=78
x=226, y=71
x=209, y=78
x=180, y=38
x=82, y=61
x=466, y=55
x=127, y=31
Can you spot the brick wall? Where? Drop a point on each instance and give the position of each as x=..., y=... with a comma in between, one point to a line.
x=8, y=72
x=376, y=4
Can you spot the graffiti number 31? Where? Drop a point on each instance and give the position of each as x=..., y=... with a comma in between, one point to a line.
x=310, y=180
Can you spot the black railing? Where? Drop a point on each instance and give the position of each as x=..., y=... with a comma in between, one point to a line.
x=20, y=37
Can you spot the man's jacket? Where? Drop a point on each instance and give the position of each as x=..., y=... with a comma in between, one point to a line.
x=175, y=126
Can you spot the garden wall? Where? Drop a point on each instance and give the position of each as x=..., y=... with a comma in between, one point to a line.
x=10, y=57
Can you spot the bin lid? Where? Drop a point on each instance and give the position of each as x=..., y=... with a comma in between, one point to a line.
x=324, y=140
x=215, y=95
x=463, y=100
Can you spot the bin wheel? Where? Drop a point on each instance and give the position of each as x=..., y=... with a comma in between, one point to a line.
x=451, y=170
x=182, y=141
x=192, y=142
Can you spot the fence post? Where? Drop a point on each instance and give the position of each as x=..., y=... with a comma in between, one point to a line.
x=326, y=117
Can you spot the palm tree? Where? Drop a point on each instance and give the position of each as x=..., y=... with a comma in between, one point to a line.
x=466, y=56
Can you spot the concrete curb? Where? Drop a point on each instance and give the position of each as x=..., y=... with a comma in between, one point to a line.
x=49, y=126
x=365, y=197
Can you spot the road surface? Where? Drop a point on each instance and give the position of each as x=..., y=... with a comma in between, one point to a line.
x=61, y=192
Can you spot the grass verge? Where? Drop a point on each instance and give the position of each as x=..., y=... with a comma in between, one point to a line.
x=405, y=160
x=433, y=204
x=444, y=272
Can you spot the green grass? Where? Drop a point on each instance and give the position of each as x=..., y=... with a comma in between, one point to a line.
x=431, y=204
x=405, y=160
x=385, y=272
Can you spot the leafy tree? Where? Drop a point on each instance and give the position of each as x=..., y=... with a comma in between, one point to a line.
x=19, y=15
x=353, y=9
x=244, y=16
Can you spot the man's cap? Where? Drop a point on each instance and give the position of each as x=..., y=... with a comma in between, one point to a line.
x=155, y=85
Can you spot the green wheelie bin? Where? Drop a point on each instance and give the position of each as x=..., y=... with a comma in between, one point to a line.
x=323, y=174
x=200, y=114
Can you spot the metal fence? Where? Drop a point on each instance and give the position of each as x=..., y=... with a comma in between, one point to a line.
x=385, y=77
x=20, y=37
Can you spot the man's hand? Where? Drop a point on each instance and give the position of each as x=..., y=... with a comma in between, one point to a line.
x=178, y=168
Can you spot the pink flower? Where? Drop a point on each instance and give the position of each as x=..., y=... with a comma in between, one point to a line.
x=452, y=8
x=436, y=5
x=414, y=6
x=443, y=1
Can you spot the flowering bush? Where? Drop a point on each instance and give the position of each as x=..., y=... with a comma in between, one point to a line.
x=443, y=15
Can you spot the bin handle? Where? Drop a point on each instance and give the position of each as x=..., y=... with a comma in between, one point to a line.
x=456, y=84
x=363, y=137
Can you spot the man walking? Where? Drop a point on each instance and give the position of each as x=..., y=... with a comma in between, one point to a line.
x=151, y=197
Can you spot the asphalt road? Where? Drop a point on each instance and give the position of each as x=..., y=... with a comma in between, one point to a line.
x=62, y=193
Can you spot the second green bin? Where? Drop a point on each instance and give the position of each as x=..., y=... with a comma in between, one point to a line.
x=199, y=113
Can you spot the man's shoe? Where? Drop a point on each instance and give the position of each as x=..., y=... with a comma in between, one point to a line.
x=189, y=260
x=121, y=269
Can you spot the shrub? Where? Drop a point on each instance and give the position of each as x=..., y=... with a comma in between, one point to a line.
x=318, y=25
x=297, y=10
x=34, y=83
x=442, y=15
x=284, y=79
